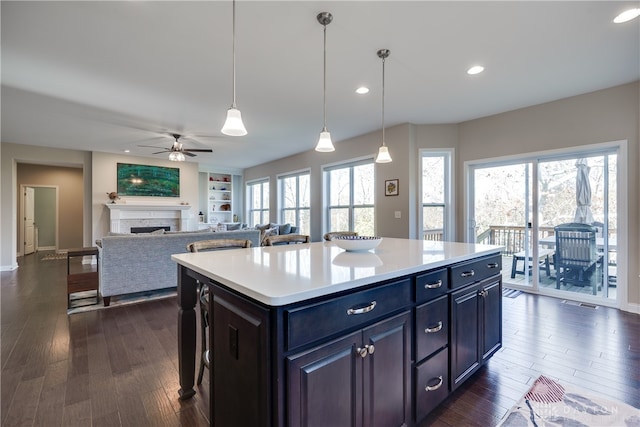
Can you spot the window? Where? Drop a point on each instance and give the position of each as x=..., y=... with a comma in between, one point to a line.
x=294, y=194
x=258, y=202
x=350, y=197
x=436, y=214
x=517, y=202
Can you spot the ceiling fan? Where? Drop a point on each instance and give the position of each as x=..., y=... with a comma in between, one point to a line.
x=177, y=152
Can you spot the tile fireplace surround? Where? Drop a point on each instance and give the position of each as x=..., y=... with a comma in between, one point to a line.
x=124, y=216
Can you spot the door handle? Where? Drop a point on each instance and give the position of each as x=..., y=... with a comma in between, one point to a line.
x=435, y=285
x=435, y=387
x=362, y=310
x=434, y=329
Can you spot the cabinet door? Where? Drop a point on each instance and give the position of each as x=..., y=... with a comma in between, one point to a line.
x=465, y=334
x=240, y=366
x=386, y=372
x=492, y=318
x=325, y=385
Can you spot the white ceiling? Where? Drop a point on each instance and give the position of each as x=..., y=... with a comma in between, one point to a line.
x=109, y=76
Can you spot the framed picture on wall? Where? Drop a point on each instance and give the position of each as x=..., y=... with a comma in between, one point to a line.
x=391, y=187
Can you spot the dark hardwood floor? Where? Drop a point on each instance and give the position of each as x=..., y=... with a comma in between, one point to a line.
x=118, y=366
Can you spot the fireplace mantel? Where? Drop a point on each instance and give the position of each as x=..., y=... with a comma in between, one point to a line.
x=119, y=212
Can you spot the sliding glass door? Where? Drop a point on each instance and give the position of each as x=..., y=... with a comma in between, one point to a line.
x=556, y=216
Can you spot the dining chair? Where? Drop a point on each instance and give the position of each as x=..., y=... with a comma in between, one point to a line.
x=330, y=235
x=203, y=246
x=577, y=260
x=286, y=239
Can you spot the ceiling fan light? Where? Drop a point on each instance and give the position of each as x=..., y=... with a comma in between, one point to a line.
x=176, y=156
x=383, y=155
x=233, y=126
x=324, y=143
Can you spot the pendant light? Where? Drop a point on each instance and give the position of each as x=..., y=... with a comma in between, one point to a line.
x=383, y=152
x=233, y=126
x=324, y=143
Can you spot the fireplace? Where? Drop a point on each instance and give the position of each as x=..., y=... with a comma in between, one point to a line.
x=125, y=217
x=150, y=229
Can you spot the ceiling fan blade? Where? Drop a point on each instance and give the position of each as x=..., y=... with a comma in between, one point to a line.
x=186, y=153
x=160, y=152
x=199, y=150
x=150, y=146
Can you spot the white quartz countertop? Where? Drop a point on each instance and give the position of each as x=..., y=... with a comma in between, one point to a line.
x=285, y=274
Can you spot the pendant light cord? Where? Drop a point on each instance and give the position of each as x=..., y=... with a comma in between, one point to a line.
x=324, y=89
x=383, y=139
x=234, y=55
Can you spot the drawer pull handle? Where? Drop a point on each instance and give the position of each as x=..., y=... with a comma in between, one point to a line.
x=468, y=273
x=435, y=329
x=435, y=285
x=435, y=387
x=492, y=265
x=362, y=310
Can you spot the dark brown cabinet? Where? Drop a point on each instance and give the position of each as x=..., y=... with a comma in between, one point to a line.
x=383, y=355
x=476, y=327
x=361, y=379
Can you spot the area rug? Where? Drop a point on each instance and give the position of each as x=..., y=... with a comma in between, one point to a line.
x=81, y=302
x=550, y=403
x=510, y=293
x=53, y=256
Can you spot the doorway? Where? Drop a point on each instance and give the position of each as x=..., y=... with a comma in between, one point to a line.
x=521, y=203
x=39, y=218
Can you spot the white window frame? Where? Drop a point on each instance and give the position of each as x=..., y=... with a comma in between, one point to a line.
x=297, y=209
x=250, y=185
x=449, y=232
x=622, y=180
x=327, y=187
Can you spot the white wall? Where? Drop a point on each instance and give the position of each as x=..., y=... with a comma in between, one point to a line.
x=105, y=181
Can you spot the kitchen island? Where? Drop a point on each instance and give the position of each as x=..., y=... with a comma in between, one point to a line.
x=312, y=335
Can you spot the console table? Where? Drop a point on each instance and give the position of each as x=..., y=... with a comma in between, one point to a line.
x=297, y=329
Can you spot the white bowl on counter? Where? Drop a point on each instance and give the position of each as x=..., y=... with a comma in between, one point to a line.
x=357, y=243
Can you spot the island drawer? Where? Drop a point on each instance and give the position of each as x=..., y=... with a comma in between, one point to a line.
x=432, y=383
x=475, y=270
x=432, y=327
x=317, y=321
x=431, y=285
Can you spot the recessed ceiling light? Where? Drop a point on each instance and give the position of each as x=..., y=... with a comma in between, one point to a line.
x=362, y=90
x=627, y=15
x=476, y=69
x=126, y=151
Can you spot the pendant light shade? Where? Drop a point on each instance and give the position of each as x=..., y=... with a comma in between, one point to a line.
x=383, y=152
x=233, y=126
x=176, y=156
x=324, y=143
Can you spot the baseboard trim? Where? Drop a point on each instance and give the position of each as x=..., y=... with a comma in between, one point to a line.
x=9, y=267
x=633, y=308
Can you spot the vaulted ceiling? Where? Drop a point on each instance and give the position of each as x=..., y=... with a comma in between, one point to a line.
x=114, y=75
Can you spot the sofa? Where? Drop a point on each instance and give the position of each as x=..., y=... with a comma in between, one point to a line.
x=136, y=263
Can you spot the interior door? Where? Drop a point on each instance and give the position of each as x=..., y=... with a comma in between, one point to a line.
x=29, y=224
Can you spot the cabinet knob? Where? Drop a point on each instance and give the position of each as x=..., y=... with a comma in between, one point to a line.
x=483, y=293
x=434, y=329
x=362, y=352
x=435, y=387
x=435, y=285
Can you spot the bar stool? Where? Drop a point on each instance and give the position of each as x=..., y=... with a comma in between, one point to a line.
x=202, y=246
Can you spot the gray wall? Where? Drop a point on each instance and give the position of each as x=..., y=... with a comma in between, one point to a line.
x=603, y=116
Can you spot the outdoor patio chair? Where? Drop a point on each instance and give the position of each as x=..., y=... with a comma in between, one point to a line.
x=577, y=261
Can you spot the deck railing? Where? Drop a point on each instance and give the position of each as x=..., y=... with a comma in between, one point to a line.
x=512, y=237
x=434, y=234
